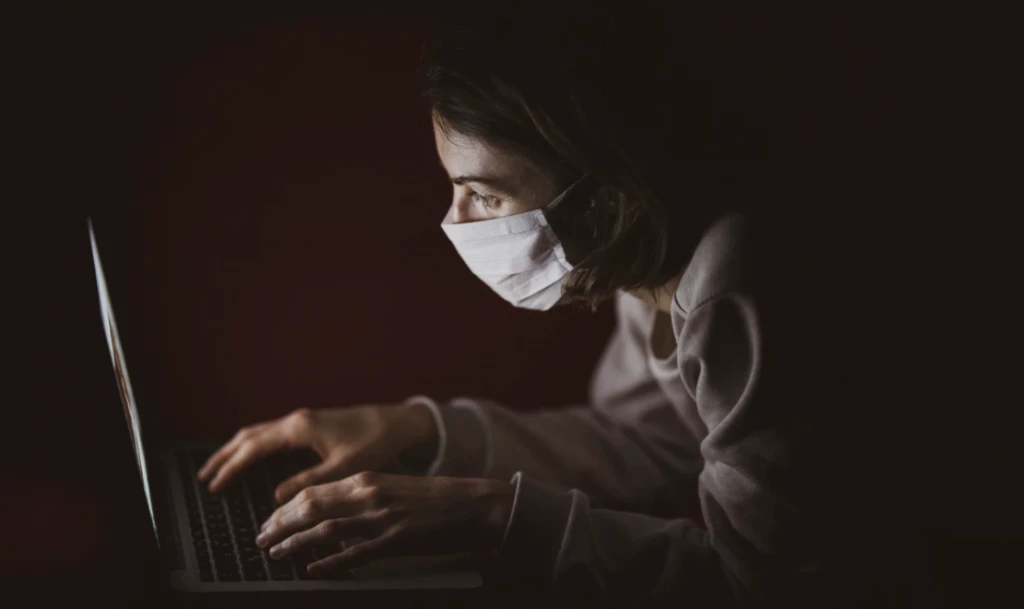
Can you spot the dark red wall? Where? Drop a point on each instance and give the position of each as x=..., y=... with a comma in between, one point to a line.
x=292, y=249
x=267, y=200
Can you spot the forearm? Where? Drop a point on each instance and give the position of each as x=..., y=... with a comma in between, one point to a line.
x=575, y=447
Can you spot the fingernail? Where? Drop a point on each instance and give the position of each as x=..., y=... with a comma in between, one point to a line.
x=276, y=552
x=261, y=540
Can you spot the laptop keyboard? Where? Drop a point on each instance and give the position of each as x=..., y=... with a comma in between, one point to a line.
x=223, y=527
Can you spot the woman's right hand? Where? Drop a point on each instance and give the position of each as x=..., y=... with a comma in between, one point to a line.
x=348, y=440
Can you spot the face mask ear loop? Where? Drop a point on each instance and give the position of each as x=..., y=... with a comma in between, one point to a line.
x=555, y=205
x=565, y=217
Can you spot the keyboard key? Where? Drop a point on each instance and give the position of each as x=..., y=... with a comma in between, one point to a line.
x=224, y=562
x=232, y=521
x=253, y=569
x=280, y=570
x=205, y=564
x=232, y=576
x=220, y=536
x=193, y=506
x=211, y=505
x=262, y=515
x=300, y=563
x=224, y=554
x=226, y=566
x=241, y=519
x=205, y=573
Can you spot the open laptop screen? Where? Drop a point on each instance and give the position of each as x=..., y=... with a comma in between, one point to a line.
x=124, y=384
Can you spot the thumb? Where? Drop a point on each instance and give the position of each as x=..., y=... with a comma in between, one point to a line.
x=317, y=474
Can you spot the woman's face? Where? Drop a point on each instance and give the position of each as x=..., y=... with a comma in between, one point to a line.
x=489, y=182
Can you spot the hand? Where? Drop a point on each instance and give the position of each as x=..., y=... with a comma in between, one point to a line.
x=392, y=515
x=348, y=440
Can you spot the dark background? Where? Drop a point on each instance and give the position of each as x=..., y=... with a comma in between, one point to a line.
x=266, y=196
x=267, y=201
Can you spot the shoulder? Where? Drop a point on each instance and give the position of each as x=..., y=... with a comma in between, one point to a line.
x=720, y=263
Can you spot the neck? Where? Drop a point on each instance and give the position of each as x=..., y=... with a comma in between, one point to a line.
x=661, y=297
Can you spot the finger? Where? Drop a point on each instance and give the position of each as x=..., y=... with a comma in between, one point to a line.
x=259, y=444
x=355, y=556
x=327, y=532
x=346, y=497
x=289, y=429
x=317, y=474
x=314, y=504
x=218, y=458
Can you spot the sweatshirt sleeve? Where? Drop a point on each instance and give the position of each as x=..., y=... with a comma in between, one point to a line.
x=629, y=449
x=764, y=543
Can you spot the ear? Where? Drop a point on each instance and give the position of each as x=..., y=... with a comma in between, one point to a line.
x=567, y=217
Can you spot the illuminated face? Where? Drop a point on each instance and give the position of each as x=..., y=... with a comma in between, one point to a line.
x=489, y=182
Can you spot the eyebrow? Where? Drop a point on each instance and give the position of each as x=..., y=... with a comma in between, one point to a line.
x=493, y=182
x=498, y=184
x=460, y=180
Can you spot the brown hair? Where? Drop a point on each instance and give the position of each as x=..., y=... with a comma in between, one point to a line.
x=589, y=92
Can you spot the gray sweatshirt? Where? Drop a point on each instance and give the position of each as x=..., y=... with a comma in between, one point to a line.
x=678, y=483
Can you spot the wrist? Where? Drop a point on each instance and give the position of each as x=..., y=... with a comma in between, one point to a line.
x=496, y=500
x=420, y=431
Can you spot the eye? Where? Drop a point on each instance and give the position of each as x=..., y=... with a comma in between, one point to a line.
x=488, y=202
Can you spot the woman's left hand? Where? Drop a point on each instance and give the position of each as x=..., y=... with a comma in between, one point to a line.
x=392, y=516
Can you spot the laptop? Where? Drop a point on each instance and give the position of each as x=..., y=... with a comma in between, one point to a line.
x=209, y=544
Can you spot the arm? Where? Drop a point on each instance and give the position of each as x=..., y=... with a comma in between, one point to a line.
x=765, y=542
x=630, y=450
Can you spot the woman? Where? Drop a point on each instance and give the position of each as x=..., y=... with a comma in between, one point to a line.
x=583, y=172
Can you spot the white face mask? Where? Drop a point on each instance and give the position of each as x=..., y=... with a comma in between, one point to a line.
x=519, y=256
